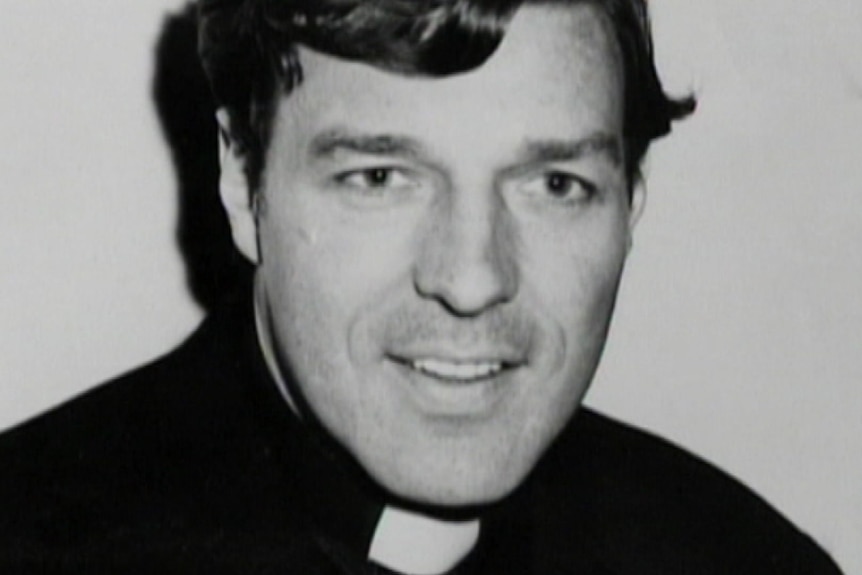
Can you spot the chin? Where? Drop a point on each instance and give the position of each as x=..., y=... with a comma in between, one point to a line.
x=452, y=486
x=451, y=498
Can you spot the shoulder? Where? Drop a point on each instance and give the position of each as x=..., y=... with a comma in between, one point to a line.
x=652, y=507
x=102, y=421
x=163, y=456
x=165, y=397
x=92, y=442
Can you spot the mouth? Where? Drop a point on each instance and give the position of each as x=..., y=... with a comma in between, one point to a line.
x=448, y=381
x=457, y=371
x=455, y=387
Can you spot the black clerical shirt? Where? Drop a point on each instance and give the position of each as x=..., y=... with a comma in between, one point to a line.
x=195, y=464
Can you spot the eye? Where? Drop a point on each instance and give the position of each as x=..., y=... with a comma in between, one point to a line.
x=375, y=179
x=561, y=186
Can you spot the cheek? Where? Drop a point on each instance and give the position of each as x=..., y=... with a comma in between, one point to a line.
x=574, y=270
x=325, y=275
x=572, y=276
x=341, y=254
x=303, y=312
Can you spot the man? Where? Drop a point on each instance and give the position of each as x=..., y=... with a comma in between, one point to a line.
x=438, y=199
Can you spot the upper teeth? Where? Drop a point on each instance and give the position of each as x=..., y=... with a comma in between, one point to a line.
x=457, y=370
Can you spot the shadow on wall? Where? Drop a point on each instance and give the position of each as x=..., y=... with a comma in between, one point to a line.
x=215, y=271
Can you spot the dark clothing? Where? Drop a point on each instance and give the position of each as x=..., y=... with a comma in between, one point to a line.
x=195, y=464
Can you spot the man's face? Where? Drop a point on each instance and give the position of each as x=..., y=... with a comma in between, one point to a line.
x=439, y=258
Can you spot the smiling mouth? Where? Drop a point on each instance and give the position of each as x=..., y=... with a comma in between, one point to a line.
x=456, y=371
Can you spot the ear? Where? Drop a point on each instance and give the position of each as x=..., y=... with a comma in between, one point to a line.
x=636, y=208
x=236, y=197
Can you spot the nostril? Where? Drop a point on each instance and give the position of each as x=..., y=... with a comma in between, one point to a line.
x=469, y=288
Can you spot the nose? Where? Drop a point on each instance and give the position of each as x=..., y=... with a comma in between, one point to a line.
x=467, y=261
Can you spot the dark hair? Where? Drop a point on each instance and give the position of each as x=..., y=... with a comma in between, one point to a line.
x=215, y=271
x=248, y=49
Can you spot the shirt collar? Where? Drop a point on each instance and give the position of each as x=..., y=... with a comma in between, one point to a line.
x=416, y=544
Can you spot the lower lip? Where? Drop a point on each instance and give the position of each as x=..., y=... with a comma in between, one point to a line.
x=451, y=397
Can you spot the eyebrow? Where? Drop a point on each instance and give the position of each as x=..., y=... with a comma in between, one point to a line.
x=326, y=144
x=598, y=143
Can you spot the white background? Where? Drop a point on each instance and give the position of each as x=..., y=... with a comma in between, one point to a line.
x=739, y=328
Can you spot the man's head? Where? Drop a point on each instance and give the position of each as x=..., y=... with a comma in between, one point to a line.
x=439, y=222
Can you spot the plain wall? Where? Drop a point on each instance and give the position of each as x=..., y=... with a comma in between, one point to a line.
x=739, y=327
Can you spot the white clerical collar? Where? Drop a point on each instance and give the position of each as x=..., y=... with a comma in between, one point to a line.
x=420, y=545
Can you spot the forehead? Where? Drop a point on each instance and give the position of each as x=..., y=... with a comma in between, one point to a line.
x=556, y=74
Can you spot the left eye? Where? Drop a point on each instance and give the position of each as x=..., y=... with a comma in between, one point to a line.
x=375, y=179
x=561, y=186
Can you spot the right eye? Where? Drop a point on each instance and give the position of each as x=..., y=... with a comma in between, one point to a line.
x=376, y=179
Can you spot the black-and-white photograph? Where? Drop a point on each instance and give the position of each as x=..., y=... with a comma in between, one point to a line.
x=431, y=287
